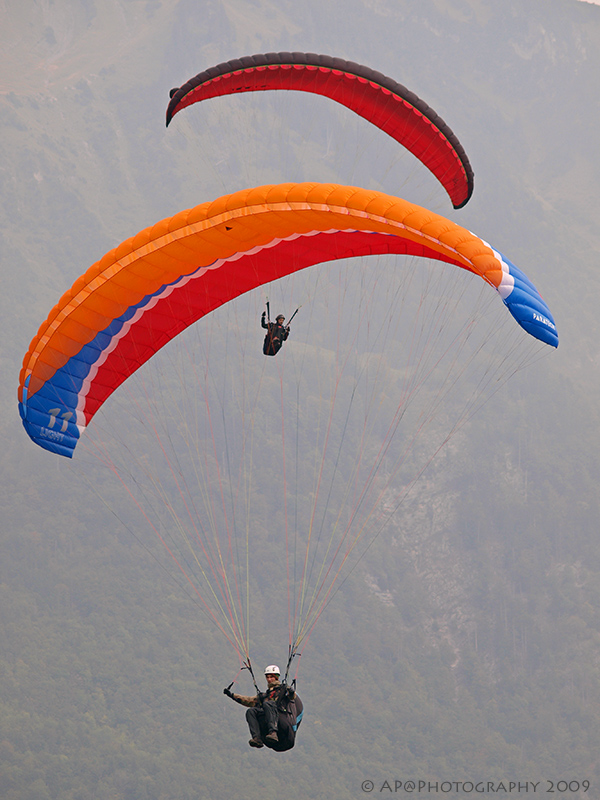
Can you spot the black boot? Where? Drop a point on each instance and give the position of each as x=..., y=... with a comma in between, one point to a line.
x=254, y=742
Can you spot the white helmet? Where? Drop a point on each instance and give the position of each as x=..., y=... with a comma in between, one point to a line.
x=272, y=669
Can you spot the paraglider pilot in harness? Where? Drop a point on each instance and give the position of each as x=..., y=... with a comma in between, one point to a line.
x=276, y=334
x=273, y=716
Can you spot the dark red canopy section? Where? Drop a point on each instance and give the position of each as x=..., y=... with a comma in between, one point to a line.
x=380, y=100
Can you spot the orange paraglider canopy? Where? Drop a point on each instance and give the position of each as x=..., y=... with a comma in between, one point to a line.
x=157, y=283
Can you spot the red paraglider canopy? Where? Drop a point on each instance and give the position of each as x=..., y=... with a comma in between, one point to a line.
x=379, y=99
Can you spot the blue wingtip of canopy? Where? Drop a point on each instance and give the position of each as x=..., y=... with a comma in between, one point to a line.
x=535, y=323
x=528, y=307
x=40, y=429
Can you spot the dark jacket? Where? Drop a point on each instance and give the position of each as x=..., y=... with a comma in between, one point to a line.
x=275, y=337
x=276, y=692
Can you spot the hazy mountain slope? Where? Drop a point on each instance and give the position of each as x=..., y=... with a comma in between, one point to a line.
x=465, y=647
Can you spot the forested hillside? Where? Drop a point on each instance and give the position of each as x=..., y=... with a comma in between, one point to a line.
x=463, y=644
